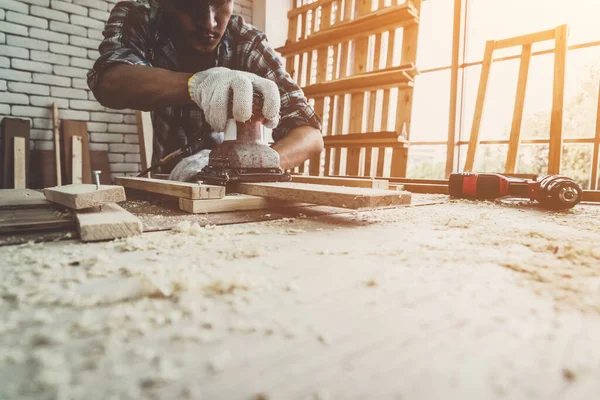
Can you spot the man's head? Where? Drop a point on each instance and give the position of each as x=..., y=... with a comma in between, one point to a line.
x=199, y=24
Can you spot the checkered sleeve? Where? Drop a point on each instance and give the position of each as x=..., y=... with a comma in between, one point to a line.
x=261, y=59
x=126, y=40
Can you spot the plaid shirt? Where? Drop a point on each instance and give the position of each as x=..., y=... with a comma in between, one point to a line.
x=137, y=33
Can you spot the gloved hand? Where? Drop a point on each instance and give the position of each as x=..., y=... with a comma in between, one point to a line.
x=187, y=169
x=210, y=90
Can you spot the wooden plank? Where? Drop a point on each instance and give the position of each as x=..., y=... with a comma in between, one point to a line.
x=19, y=165
x=99, y=162
x=70, y=129
x=232, y=203
x=515, y=132
x=145, y=137
x=596, y=152
x=481, y=94
x=187, y=190
x=56, y=137
x=80, y=196
x=13, y=127
x=34, y=219
x=591, y=196
x=76, y=160
x=424, y=188
x=525, y=40
x=22, y=198
x=558, y=99
x=455, y=69
x=110, y=222
x=349, y=182
x=334, y=196
x=43, y=169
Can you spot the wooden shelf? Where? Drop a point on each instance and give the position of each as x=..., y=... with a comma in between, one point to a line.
x=401, y=77
x=359, y=140
x=370, y=24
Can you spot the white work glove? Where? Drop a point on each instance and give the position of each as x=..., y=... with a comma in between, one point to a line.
x=211, y=90
x=187, y=169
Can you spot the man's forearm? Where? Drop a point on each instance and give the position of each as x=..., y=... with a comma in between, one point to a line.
x=143, y=88
x=298, y=146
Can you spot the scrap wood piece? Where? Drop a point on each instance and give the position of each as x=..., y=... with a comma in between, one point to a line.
x=334, y=196
x=76, y=160
x=56, y=137
x=107, y=223
x=350, y=182
x=22, y=198
x=194, y=191
x=34, y=220
x=13, y=128
x=80, y=196
x=76, y=128
x=234, y=203
x=19, y=164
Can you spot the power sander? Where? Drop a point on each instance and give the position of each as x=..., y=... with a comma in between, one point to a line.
x=555, y=192
x=243, y=157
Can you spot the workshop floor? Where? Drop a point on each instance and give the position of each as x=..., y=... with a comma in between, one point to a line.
x=451, y=301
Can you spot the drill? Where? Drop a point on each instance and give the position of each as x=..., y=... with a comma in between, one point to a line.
x=555, y=192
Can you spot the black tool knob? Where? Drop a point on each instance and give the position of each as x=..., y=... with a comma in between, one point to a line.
x=559, y=192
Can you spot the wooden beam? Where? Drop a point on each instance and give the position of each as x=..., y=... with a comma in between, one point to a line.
x=233, y=203
x=591, y=196
x=525, y=40
x=145, y=137
x=22, y=198
x=456, y=46
x=596, y=152
x=349, y=182
x=56, y=136
x=110, y=222
x=187, y=190
x=80, y=196
x=558, y=99
x=334, y=196
x=19, y=165
x=76, y=160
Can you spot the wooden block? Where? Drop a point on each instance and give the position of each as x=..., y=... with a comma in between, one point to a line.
x=19, y=166
x=110, y=222
x=195, y=191
x=12, y=127
x=334, y=196
x=350, y=182
x=80, y=196
x=76, y=160
x=76, y=128
x=234, y=203
x=22, y=198
x=99, y=162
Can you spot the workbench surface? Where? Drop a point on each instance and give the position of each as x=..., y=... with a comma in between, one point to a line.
x=459, y=300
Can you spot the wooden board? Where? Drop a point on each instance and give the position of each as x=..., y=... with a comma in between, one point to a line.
x=76, y=160
x=56, y=137
x=11, y=128
x=34, y=219
x=110, y=222
x=99, y=162
x=19, y=164
x=43, y=169
x=70, y=129
x=80, y=196
x=234, y=203
x=145, y=135
x=350, y=182
x=334, y=196
x=195, y=191
x=22, y=198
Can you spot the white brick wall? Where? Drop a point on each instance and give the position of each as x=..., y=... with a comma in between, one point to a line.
x=46, y=49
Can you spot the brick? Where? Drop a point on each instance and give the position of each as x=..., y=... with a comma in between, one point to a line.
x=52, y=58
x=76, y=115
x=11, y=51
x=48, y=35
x=81, y=62
x=93, y=54
x=49, y=13
x=27, y=20
x=95, y=34
x=68, y=7
x=29, y=111
x=11, y=75
x=70, y=71
x=29, y=88
x=98, y=146
x=41, y=3
x=84, y=42
x=41, y=134
x=132, y=158
x=107, y=117
x=2, y=14
x=43, y=145
x=80, y=84
x=91, y=96
x=98, y=127
x=42, y=123
x=132, y=139
x=99, y=15
x=68, y=93
x=130, y=119
x=124, y=167
x=35, y=44
x=3, y=86
x=106, y=137
x=97, y=4
x=86, y=105
x=122, y=128
x=14, y=98
x=52, y=80
x=67, y=28
x=67, y=49
x=4, y=110
x=87, y=22
x=2, y=38
x=15, y=29
x=123, y=148
x=116, y=158
x=4, y=62
x=41, y=101
x=13, y=5
x=33, y=66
